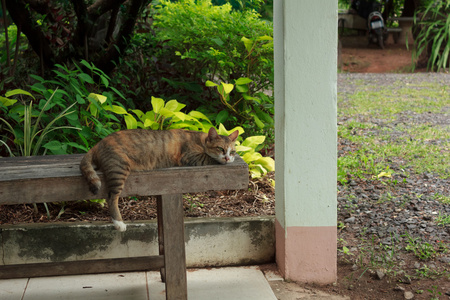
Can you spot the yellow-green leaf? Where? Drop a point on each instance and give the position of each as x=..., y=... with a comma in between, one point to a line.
x=266, y=162
x=7, y=101
x=227, y=87
x=384, y=174
x=116, y=109
x=243, y=148
x=253, y=141
x=18, y=92
x=97, y=97
x=157, y=104
x=172, y=105
x=130, y=121
x=210, y=83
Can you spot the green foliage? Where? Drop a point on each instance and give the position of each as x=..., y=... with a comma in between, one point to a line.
x=195, y=41
x=257, y=164
x=97, y=101
x=166, y=116
x=12, y=38
x=237, y=98
x=422, y=250
x=434, y=34
x=28, y=135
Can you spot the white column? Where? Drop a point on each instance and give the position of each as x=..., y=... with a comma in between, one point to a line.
x=305, y=34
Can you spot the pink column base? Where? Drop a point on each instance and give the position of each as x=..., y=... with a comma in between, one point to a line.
x=307, y=254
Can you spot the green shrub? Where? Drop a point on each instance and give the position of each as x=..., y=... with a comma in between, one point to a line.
x=193, y=42
x=434, y=34
x=206, y=41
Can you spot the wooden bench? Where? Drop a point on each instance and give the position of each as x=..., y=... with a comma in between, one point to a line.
x=57, y=178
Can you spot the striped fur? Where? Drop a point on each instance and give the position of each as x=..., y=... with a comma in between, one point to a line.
x=135, y=150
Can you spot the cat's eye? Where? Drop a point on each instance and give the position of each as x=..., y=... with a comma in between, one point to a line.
x=221, y=149
x=232, y=152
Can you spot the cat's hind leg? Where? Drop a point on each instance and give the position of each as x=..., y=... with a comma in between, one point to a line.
x=115, y=181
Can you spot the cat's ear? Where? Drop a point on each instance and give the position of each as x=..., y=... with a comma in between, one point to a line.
x=212, y=134
x=234, y=135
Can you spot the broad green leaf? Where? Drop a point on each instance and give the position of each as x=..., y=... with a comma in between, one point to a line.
x=78, y=146
x=210, y=83
x=251, y=156
x=266, y=162
x=222, y=130
x=248, y=97
x=180, y=115
x=166, y=113
x=99, y=98
x=157, y=104
x=253, y=141
x=138, y=113
x=222, y=116
x=242, y=88
x=265, y=38
x=18, y=92
x=130, y=121
x=247, y=43
x=148, y=123
x=86, y=64
x=53, y=145
x=116, y=109
x=86, y=77
x=258, y=122
x=241, y=149
x=228, y=87
x=180, y=106
x=79, y=99
x=243, y=80
x=199, y=115
x=7, y=101
x=104, y=80
x=172, y=105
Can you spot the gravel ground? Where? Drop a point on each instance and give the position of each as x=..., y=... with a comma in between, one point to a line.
x=372, y=212
x=407, y=211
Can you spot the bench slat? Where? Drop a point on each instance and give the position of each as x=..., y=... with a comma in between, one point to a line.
x=58, y=178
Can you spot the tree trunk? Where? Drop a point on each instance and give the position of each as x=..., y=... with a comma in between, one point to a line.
x=52, y=48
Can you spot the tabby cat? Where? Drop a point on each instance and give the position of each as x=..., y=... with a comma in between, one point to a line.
x=138, y=149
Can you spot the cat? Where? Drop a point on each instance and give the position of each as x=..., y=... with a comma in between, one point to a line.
x=138, y=149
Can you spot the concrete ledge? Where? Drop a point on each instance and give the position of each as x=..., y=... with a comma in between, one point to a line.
x=210, y=242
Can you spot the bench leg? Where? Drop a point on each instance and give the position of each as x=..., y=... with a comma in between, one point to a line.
x=172, y=229
x=159, y=211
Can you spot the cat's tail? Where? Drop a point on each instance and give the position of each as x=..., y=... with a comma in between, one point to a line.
x=88, y=171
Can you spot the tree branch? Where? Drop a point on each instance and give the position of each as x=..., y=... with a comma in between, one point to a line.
x=108, y=61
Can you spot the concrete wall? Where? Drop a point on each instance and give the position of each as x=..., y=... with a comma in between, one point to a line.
x=209, y=242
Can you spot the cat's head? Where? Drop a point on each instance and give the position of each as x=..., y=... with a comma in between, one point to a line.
x=221, y=147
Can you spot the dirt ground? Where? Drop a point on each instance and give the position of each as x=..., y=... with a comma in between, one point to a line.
x=358, y=57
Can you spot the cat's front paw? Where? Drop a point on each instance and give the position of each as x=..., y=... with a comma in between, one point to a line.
x=119, y=225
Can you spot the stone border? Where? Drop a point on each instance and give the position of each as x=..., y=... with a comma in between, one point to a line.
x=210, y=242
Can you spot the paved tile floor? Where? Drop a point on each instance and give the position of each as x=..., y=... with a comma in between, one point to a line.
x=209, y=284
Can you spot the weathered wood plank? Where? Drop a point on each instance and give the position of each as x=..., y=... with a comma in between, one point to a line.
x=129, y=264
x=174, y=252
x=57, y=178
